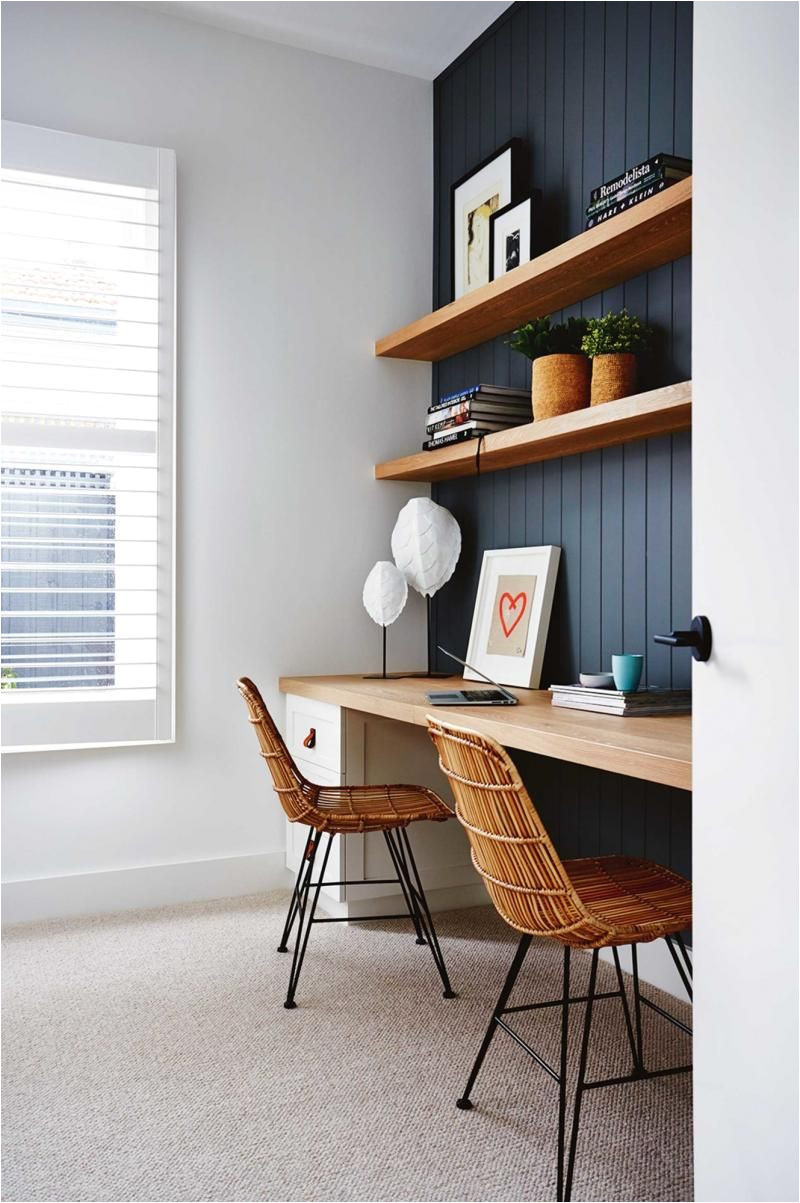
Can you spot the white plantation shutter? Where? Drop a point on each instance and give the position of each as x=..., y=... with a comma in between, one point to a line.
x=87, y=461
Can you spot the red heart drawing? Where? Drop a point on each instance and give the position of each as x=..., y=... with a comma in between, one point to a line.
x=507, y=602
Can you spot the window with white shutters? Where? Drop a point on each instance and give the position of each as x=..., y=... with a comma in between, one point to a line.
x=87, y=463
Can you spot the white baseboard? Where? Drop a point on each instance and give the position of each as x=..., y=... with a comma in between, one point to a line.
x=236, y=876
x=145, y=886
x=448, y=898
x=655, y=966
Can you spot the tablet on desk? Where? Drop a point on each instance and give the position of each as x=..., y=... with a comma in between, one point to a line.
x=472, y=697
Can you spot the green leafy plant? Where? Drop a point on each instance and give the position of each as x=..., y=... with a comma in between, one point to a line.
x=8, y=679
x=540, y=337
x=614, y=333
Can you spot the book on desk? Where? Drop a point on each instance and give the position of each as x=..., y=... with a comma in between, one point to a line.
x=648, y=701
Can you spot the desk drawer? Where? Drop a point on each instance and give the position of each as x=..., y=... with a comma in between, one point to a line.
x=304, y=716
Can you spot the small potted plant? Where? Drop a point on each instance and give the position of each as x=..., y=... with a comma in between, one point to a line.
x=612, y=343
x=560, y=373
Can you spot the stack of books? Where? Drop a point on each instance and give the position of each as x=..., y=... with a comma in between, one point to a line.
x=635, y=185
x=474, y=411
x=614, y=701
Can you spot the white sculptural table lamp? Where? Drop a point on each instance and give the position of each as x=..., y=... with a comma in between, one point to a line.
x=384, y=596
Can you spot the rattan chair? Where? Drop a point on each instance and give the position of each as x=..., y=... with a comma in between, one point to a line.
x=342, y=810
x=592, y=903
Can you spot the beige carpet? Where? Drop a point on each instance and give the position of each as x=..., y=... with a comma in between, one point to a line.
x=148, y=1057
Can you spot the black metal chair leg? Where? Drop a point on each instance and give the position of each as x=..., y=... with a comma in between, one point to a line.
x=576, y=1113
x=424, y=913
x=687, y=985
x=302, y=935
x=404, y=872
x=637, y=1007
x=637, y=1069
x=464, y=1103
x=295, y=899
x=684, y=954
x=408, y=896
x=562, y=1083
x=303, y=887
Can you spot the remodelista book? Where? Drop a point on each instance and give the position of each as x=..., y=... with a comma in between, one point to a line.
x=663, y=173
x=638, y=172
x=628, y=202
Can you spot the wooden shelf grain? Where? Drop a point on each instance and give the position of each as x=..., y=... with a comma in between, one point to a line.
x=661, y=411
x=652, y=748
x=652, y=233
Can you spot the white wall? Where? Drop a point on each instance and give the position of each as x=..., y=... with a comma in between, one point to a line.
x=304, y=229
x=745, y=432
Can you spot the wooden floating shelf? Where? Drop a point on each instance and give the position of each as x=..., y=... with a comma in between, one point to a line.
x=661, y=411
x=650, y=234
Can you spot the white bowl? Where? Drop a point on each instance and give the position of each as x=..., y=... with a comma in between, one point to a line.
x=597, y=680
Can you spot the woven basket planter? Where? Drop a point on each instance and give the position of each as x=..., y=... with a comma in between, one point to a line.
x=613, y=376
x=560, y=384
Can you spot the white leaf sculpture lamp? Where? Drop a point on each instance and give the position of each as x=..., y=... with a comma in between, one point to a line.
x=426, y=544
x=385, y=593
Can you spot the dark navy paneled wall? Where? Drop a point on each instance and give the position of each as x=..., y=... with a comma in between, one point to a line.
x=592, y=89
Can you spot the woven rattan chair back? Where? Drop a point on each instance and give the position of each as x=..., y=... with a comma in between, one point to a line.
x=295, y=793
x=510, y=847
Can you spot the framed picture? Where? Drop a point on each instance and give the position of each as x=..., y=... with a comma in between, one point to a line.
x=512, y=615
x=489, y=187
x=510, y=237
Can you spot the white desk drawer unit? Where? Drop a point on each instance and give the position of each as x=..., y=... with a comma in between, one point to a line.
x=315, y=735
x=297, y=833
x=350, y=748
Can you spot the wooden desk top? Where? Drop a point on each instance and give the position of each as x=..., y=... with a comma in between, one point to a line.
x=650, y=748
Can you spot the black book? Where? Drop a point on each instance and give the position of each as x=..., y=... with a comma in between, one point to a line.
x=459, y=435
x=638, y=172
x=472, y=421
x=628, y=202
x=673, y=174
x=493, y=392
x=477, y=408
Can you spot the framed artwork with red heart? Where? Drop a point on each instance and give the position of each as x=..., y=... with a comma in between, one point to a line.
x=512, y=614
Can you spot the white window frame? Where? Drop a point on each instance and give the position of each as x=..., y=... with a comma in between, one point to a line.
x=90, y=718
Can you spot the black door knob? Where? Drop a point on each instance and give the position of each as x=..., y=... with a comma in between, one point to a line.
x=698, y=638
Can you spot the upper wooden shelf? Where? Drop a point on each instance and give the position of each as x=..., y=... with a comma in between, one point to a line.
x=661, y=411
x=652, y=233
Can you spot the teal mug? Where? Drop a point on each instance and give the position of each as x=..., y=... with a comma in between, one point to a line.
x=627, y=672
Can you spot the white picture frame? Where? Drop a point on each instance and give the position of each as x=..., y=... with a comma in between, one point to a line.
x=501, y=620
x=511, y=237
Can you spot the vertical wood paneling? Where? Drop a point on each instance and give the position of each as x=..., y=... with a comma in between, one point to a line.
x=611, y=559
x=574, y=101
x=591, y=544
x=637, y=127
x=591, y=88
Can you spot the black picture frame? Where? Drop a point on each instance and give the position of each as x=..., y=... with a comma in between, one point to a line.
x=534, y=197
x=518, y=185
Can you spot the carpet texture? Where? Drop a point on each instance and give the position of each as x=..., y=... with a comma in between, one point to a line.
x=147, y=1056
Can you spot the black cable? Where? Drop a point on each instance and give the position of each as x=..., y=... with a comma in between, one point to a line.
x=481, y=437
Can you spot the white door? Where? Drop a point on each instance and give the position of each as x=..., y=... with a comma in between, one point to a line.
x=745, y=508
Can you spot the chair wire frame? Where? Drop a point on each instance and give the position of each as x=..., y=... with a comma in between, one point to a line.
x=331, y=811
x=589, y=904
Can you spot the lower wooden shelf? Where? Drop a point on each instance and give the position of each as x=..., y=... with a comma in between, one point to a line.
x=660, y=411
